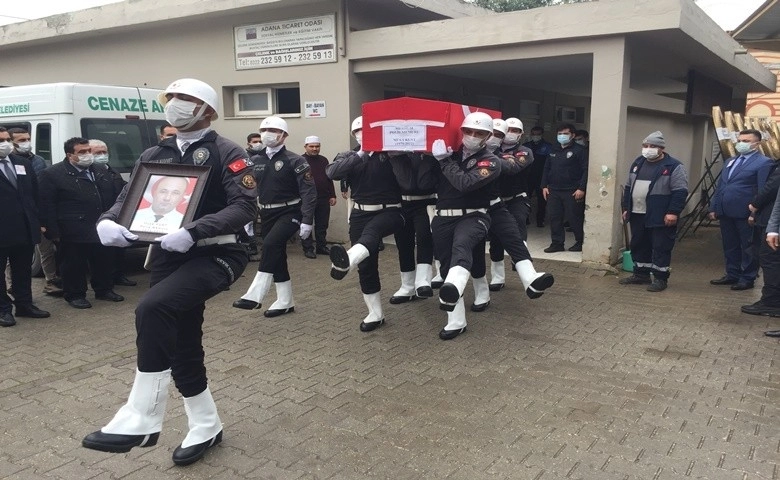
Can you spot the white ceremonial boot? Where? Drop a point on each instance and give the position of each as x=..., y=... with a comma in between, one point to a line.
x=344, y=260
x=436, y=281
x=453, y=286
x=253, y=298
x=139, y=421
x=422, y=280
x=374, y=319
x=456, y=322
x=284, y=300
x=497, y=276
x=481, y=294
x=535, y=283
x=407, y=292
x=205, y=428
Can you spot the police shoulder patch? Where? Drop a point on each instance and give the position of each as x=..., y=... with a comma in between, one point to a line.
x=239, y=164
x=301, y=168
x=308, y=176
x=248, y=181
x=484, y=172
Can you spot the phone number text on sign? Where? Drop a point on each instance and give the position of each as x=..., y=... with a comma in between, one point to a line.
x=287, y=42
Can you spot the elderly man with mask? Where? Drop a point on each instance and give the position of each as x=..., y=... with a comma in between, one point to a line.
x=100, y=155
x=653, y=198
x=188, y=266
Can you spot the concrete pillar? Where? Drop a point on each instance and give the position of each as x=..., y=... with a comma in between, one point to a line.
x=611, y=76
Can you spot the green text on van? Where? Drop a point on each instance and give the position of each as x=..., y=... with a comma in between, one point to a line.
x=108, y=104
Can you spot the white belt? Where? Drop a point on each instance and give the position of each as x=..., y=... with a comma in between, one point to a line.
x=411, y=198
x=522, y=194
x=459, y=212
x=218, y=240
x=279, y=205
x=376, y=208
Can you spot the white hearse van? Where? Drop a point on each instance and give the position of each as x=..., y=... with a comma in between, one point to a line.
x=128, y=119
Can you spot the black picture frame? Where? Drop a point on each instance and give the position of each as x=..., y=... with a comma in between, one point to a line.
x=142, y=187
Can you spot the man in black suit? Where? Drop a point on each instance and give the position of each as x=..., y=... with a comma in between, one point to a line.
x=20, y=231
x=74, y=193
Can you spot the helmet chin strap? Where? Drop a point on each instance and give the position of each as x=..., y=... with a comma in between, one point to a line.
x=196, y=118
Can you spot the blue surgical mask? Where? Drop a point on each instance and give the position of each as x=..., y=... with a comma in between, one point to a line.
x=744, y=147
x=563, y=138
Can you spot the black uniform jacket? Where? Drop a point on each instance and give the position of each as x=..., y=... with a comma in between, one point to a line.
x=511, y=184
x=19, y=224
x=374, y=177
x=228, y=201
x=283, y=177
x=71, y=203
x=462, y=182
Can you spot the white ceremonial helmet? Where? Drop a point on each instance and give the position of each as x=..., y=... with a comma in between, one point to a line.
x=194, y=88
x=274, y=122
x=357, y=124
x=478, y=121
x=500, y=125
x=514, y=123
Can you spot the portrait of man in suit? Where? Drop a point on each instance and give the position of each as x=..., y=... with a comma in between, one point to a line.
x=165, y=193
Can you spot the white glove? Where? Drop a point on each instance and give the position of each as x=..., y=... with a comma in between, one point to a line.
x=305, y=231
x=178, y=241
x=440, y=150
x=112, y=234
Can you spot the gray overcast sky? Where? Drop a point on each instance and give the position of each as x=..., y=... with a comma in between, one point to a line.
x=727, y=13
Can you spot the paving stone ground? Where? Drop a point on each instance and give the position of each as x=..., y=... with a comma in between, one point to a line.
x=592, y=381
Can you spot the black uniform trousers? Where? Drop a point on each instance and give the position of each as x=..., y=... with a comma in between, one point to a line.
x=169, y=316
x=76, y=259
x=456, y=238
x=770, y=263
x=277, y=225
x=651, y=247
x=20, y=259
x=321, y=222
x=519, y=209
x=505, y=231
x=416, y=231
x=561, y=204
x=478, y=263
x=541, y=206
x=368, y=229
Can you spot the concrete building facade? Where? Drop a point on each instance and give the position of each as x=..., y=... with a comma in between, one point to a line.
x=620, y=68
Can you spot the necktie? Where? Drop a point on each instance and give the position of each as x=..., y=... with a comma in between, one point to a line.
x=736, y=165
x=185, y=146
x=9, y=172
x=157, y=218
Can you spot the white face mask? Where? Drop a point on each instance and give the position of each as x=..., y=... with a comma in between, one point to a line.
x=536, y=138
x=493, y=143
x=6, y=148
x=179, y=113
x=270, y=139
x=511, y=138
x=100, y=157
x=650, y=153
x=359, y=137
x=256, y=147
x=85, y=160
x=472, y=143
x=23, y=147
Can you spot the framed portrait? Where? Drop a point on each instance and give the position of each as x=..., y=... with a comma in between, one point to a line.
x=161, y=198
